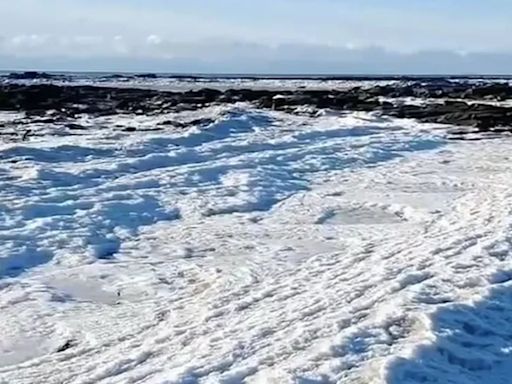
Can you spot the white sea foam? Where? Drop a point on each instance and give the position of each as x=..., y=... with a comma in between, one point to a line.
x=258, y=248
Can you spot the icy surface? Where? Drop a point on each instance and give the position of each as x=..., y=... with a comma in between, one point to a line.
x=256, y=248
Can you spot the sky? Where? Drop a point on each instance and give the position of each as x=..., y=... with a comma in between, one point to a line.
x=258, y=36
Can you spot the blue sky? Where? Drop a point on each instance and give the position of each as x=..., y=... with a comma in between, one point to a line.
x=258, y=36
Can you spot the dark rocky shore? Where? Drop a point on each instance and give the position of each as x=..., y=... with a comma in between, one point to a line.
x=464, y=104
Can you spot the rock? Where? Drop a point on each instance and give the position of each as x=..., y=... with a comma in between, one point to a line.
x=67, y=345
x=173, y=123
x=50, y=103
x=146, y=76
x=31, y=75
x=75, y=127
x=280, y=101
x=202, y=96
x=26, y=135
x=205, y=121
x=265, y=102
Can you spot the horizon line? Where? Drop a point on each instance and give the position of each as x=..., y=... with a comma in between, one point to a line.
x=264, y=75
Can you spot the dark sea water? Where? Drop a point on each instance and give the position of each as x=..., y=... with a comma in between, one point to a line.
x=247, y=76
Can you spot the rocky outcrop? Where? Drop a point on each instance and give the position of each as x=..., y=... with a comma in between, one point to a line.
x=32, y=75
x=460, y=104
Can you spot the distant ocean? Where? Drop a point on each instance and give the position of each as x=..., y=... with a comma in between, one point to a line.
x=251, y=76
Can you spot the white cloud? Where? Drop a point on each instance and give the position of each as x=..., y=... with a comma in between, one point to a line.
x=28, y=41
x=248, y=36
x=405, y=28
x=143, y=54
x=154, y=40
x=60, y=45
